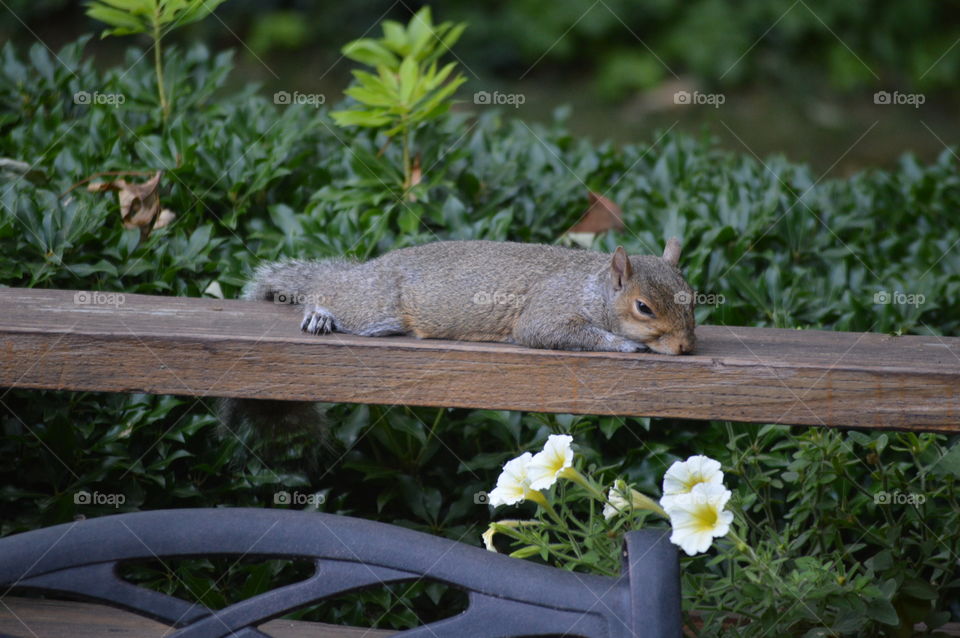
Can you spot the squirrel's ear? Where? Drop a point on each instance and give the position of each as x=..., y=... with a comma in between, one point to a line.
x=620, y=270
x=671, y=253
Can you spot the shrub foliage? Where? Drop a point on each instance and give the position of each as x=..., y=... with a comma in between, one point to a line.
x=250, y=180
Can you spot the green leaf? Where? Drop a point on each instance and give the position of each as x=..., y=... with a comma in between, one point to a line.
x=525, y=552
x=919, y=589
x=370, y=96
x=882, y=611
x=409, y=76
x=419, y=32
x=360, y=118
x=395, y=37
x=197, y=10
x=123, y=22
x=949, y=463
x=370, y=52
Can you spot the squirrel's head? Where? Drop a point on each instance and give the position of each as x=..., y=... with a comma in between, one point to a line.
x=653, y=304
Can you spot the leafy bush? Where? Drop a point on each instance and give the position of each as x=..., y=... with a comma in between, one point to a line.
x=251, y=180
x=629, y=45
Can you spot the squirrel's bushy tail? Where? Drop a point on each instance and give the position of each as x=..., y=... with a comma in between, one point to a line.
x=293, y=277
x=285, y=281
x=269, y=429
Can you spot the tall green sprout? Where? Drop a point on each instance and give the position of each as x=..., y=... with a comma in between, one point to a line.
x=408, y=87
x=156, y=17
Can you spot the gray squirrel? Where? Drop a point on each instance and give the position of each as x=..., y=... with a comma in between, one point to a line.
x=528, y=294
x=534, y=295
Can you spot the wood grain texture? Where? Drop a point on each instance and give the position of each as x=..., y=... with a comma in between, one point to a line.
x=36, y=618
x=206, y=347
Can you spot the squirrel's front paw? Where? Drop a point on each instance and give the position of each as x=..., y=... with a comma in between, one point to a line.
x=632, y=346
x=317, y=320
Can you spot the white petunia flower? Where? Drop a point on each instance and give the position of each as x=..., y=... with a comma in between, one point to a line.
x=513, y=484
x=616, y=502
x=698, y=517
x=547, y=466
x=683, y=476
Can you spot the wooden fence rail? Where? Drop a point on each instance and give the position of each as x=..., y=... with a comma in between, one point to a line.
x=66, y=340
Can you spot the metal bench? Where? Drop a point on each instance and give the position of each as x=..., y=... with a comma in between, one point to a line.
x=506, y=596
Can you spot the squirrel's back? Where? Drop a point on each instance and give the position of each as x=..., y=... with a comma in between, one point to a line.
x=532, y=294
x=476, y=290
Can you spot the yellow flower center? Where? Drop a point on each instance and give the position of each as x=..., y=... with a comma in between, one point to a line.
x=693, y=480
x=706, y=518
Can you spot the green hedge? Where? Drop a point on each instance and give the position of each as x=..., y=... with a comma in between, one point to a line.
x=626, y=45
x=250, y=180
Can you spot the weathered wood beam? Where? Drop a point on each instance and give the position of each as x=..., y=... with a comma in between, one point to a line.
x=61, y=340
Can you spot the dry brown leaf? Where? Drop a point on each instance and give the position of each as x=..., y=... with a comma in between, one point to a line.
x=602, y=215
x=416, y=176
x=165, y=218
x=139, y=202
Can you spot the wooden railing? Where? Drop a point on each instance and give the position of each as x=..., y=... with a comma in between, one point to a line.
x=67, y=340
x=111, y=342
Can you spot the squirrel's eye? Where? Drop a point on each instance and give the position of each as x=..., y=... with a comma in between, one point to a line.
x=644, y=309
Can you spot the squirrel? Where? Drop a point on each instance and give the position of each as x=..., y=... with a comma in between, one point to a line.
x=533, y=295
x=528, y=294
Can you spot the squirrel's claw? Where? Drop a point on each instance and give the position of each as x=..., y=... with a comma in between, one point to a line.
x=317, y=320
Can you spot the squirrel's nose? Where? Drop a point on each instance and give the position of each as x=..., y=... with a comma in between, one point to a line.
x=685, y=347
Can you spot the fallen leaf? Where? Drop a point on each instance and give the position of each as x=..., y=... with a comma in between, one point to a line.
x=416, y=176
x=20, y=169
x=165, y=218
x=139, y=202
x=602, y=215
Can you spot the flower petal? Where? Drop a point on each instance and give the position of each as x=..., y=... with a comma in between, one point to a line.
x=547, y=465
x=683, y=476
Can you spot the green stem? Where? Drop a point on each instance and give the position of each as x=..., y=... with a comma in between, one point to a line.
x=582, y=481
x=158, y=65
x=743, y=544
x=407, y=170
x=430, y=433
x=538, y=498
